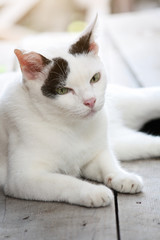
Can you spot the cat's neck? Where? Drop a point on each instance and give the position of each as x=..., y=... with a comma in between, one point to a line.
x=54, y=117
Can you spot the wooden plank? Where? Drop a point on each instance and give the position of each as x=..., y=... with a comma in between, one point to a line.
x=2, y=205
x=116, y=69
x=137, y=37
x=41, y=220
x=139, y=214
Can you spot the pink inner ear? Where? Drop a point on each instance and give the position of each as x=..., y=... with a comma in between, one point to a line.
x=31, y=63
x=93, y=48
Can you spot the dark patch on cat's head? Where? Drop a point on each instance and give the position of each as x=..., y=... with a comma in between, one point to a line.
x=56, y=78
x=86, y=42
x=45, y=61
x=82, y=46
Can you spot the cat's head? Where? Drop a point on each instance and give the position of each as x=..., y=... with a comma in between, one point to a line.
x=72, y=83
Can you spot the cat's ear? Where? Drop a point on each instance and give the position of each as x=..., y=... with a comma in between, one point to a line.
x=32, y=64
x=86, y=42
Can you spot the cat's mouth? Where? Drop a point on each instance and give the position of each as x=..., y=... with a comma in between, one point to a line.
x=90, y=113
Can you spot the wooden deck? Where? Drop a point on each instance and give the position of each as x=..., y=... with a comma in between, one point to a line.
x=134, y=60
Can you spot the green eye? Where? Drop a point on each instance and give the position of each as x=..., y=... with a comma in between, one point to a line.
x=62, y=91
x=95, y=78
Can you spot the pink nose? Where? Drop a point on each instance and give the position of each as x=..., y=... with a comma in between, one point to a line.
x=90, y=102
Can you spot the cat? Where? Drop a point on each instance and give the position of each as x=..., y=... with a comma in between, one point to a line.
x=56, y=129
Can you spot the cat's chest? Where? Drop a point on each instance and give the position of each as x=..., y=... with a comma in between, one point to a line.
x=71, y=148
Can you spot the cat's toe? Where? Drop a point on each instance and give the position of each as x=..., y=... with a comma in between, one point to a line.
x=96, y=196
x=125, y=182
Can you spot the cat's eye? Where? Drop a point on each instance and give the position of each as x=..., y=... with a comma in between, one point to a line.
x=95, y=78
x=62, y=91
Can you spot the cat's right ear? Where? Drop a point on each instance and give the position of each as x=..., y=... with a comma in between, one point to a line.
x=32, y=64
x=86, y=42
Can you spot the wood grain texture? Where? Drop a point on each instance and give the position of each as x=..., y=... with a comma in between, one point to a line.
x=116, y=69
x=2, y=205
x=41, y=220
x=130, y=54
x=137, y=37
x=139, y=215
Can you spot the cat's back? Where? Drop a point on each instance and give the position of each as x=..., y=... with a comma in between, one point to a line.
x=12, y=98
x=9, y=84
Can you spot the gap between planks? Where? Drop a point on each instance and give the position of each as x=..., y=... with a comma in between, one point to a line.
x=46, y=220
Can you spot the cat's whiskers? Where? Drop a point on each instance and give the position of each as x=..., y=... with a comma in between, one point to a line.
x=80, y=113
x=58, y=74
x=61, y=68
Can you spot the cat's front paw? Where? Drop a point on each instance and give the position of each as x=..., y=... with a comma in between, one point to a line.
x=96, y=196
x=125, y=182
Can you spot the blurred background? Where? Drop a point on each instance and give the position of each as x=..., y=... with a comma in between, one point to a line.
x=22, y=18
x=19, y=18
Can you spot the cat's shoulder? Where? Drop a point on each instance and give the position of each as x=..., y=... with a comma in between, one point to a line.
x=10, y=81
x=12, y=90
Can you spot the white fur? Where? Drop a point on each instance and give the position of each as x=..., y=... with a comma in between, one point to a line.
x=46, y=143
x=133, y=107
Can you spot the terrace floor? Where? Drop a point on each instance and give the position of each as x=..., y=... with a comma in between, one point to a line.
x=133, y=57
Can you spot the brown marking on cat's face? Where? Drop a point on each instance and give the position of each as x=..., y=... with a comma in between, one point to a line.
x=56, y=78
x=45, y=61
x=82, y=46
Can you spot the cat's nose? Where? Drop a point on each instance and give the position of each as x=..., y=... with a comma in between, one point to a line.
x=90, y=102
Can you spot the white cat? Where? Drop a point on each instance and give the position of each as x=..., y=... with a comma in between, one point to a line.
x=55, y=128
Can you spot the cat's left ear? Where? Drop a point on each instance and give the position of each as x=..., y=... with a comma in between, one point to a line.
x=32, y=64
x=86, y=43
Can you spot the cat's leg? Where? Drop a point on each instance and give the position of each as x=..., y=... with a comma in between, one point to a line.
x=136, y=105
x=32, y=180
x=105, y=168
x=129, y=144
x=58, y=187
